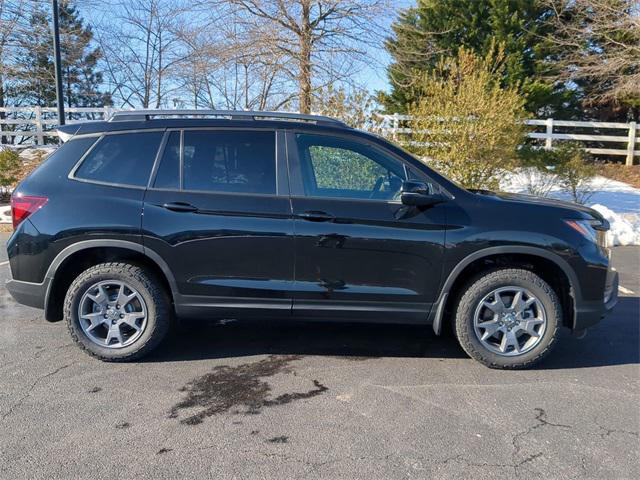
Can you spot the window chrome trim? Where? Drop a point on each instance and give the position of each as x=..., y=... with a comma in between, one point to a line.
x=72, y=173
x=348, y=199
x=220, y=192
x=348, y=135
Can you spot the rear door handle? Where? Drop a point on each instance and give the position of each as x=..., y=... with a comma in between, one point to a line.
x=180, y=207
x=316, y=216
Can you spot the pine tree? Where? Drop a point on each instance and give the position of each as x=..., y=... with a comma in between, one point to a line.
x=81, y=79
x=437, y=29
x=34, y=67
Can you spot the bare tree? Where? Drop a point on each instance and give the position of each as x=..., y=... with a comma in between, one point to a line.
x=320, y=41
x=141, y=49
x=14, y=26
x=228, y=67
x=602, y=41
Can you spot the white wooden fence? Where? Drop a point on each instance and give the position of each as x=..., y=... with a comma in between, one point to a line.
x=32, y=125
x=596, y=135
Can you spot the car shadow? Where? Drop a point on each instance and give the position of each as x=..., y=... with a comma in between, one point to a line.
x=615, y=341
x=205, y=340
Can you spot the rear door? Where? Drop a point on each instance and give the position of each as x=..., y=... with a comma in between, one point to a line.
x=218, y=213
x=360, y=253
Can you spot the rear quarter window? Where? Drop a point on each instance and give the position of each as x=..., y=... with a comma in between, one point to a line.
x=62, y=159
x=121, y=159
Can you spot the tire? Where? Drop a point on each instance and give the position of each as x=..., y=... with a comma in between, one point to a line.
x=151, y=299
x=478, y=304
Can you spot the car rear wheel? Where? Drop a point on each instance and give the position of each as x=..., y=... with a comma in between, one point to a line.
x=117, y=311
x=508, y=318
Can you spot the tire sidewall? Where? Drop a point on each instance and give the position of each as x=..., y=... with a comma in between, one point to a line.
x=477, y=291
x=78, y=289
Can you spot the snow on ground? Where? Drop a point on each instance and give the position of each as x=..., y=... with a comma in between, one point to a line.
x=618, y=202
x=625, y=230
x=30, y=153
x=5, y=214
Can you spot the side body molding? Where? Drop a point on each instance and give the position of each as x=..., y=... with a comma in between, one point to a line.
x=437, y=311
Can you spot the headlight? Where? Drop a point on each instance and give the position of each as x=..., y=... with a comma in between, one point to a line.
x=593, y=230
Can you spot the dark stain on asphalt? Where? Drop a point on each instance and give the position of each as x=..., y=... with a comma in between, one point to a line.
x=255, y=432
x=163, y=450
x=356, y=358
x=123, y=425
x=239, y=390
x=95, y=390
x=281, y=439
x=290, y=397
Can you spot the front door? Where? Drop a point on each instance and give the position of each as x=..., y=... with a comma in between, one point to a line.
x=218, y=213
x=360, y=253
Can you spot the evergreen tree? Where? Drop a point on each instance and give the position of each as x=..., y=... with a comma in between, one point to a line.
x=81, y=79
x=34, y=67
x=436, y=29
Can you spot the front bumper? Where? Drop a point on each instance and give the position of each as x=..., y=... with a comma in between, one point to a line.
x=589, y=313
x=27, y=293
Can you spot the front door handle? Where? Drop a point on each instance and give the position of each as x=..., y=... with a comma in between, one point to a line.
x=180, y=207
x=316, y=216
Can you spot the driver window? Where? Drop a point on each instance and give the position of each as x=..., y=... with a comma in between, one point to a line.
x=337, y=167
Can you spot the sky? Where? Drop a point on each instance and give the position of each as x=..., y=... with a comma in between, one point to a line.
x=373, y=76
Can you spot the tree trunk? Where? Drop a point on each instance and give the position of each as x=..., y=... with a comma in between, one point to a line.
x=68, y=87
x=159, y=86
x=304, y=79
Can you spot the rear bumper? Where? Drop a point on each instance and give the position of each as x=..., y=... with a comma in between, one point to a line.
x=30, y=294
x=590, y=313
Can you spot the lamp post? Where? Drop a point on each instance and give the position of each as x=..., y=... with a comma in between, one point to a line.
x=57, y=62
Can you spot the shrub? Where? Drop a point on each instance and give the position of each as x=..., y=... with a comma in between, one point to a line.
x=10, y=164
x=575, y=171
x=567, y=166
x=537, y=170
x=352, y=106
x=467, y=124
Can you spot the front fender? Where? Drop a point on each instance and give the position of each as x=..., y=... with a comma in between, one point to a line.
x=438, y=311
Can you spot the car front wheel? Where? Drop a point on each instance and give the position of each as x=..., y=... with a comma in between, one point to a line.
x=508, y=318
x=117, y=311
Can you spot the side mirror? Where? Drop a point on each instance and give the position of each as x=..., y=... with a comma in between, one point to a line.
x=418, y=194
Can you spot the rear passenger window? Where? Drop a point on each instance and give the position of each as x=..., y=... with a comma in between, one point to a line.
x=225, y=161
x=124, y=159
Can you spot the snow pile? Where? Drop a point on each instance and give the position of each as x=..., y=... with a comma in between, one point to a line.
x=5, y=214
x=625, y=229
x=618, y=202
x=29, y=153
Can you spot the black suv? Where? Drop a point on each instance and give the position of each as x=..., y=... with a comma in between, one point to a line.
x=157, y=215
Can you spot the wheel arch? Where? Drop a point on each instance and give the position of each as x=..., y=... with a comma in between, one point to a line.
x=514, y=255
x=81, y=255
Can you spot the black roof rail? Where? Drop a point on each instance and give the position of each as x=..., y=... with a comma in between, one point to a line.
x=142, y=115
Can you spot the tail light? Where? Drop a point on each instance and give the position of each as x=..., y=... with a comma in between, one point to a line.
x=24, y=205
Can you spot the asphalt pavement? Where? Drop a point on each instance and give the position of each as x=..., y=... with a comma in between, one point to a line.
x=281, y=400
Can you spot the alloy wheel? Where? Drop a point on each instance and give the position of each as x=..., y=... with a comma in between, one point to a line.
x=112, y=314
x=510, y=321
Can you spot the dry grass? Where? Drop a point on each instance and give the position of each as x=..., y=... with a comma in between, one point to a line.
x=621, y=173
